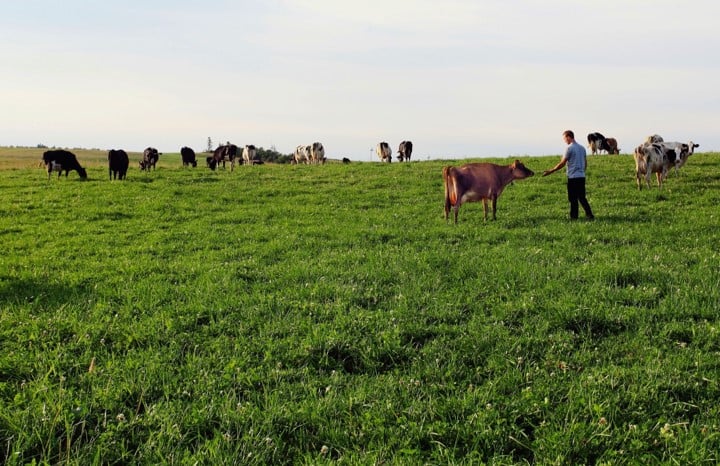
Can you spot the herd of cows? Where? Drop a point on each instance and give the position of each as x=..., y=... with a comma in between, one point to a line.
x=654, y=155
x=468, y=183
x=118, y=161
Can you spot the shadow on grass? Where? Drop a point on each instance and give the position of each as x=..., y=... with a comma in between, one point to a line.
x=24, y=291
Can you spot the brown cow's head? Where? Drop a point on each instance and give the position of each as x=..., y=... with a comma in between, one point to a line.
x=520, y=171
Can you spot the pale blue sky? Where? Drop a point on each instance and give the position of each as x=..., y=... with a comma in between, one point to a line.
x=460, y=78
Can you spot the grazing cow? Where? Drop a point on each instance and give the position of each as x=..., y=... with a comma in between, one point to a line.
x=405, y=151
x=479, y=181
x=249, y=152
x=118, y=162
x=611, y=146
x=228, y=152
x=653, y=158
x=188, y=157
x=383, y=151
x=317, y=153
x=59, y=160
x=303, y=154
x=345, y=160
x=150, y=159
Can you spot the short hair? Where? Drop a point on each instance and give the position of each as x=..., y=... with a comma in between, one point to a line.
x=569, y=134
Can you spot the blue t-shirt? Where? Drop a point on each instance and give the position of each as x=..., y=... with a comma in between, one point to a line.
x=575, y=156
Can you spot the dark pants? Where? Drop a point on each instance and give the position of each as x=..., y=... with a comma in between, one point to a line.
x=576, y=194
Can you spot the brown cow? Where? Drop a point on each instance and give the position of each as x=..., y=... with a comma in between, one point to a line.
x=479, y=181
x=611, y=146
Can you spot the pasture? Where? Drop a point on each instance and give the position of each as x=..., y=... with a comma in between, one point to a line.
x=319, y=314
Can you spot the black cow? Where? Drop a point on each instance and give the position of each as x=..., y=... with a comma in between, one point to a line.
x=405, y=151
x=118, y=163
x=62, y=160
x=188, y=157
x=228, y=153
x=150, y=158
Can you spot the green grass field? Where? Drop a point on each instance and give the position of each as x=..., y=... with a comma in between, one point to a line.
x=319, y=314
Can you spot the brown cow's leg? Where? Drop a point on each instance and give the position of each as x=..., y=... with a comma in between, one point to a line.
x=494, y=206
x=485, y=208
x=446, y=182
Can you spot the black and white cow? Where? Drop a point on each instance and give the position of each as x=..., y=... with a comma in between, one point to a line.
x=317, y=153
x=303, y=154
x=226, y=153
x=683, y=151
x=595, y=142
x=150, y=159
x=61, y=160
x=405, y=151
x=653, y=158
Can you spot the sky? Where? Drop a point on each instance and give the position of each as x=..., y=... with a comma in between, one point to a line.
x=460, y=78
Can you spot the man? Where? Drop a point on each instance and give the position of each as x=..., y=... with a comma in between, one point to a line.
x=575, y=159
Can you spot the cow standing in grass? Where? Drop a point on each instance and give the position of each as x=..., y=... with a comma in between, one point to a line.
x=118, y=163
x=249, y=154
x=302, y=154
x=405, y=151
x=317, y=153
x=479, y=182
x=653, y=158
x=226, y=153
x=611, y=146
x=61, y=160
x=682, y=150
x=150, y=159
x=188, y=157
x=384, y=152
x=597, y=143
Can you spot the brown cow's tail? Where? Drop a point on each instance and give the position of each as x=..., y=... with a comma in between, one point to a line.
x=450, y=192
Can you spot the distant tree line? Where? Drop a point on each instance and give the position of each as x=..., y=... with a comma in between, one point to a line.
x=273, y=156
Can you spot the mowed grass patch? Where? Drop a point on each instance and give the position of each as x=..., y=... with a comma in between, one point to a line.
x=304, y=314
